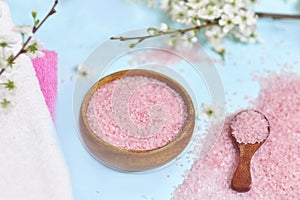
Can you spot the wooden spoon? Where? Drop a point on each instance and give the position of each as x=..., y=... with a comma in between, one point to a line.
x=241, y=180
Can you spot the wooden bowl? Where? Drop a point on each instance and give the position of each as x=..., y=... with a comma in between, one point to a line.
x=136, y=160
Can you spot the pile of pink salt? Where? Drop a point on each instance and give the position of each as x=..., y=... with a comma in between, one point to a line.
x=249, y=127
x=276, y=164
x=136, y=113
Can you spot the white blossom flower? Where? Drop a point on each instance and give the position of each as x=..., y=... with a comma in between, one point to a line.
x=23, y=29
x=227, y=22
x=192, y=36
x=3, y=62
x=152, y=31
x=214, y=36
x=254, y=37
x=5, y=53
x=191, y=13
x=196, y=5
x=247, y=35
x=6, y=105
x=179, y=14
x=7, y=102
x=7, y=40
x=164, y=27
x=247, y=18
x=85, y=72
x=9, y=81
x=34, y=48
x=210, y=111
x=233, y=19
x=193, y=39
x=180, y=41
x=243, y=33
x=197, y=22
x=229, y=9
x=214, y=32
x=236, y=4
x=209, y=13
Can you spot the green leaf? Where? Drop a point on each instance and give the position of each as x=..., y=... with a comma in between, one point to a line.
x=152, y=31
x=10, y=85
x=10, y=60
x=3, y=44
x=5, y=103
x=36, y=23
x=222, y=54
x=32, y=48
x=84, y=73
x=34, y=14
x=132, y=45
x=209, y=112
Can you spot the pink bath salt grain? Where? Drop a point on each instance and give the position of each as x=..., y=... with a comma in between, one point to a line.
x=250, y=127
x=275, y=167
x=136, y=113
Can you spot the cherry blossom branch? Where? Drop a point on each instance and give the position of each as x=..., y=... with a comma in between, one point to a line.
x=160, y=33
x=37, y=25
x=183, y=31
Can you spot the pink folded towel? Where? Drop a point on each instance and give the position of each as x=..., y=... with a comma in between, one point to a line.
x=46, y=72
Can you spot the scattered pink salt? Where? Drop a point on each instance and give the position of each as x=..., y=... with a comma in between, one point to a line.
x=136, y=113
x=276, y=164
x=250, y=127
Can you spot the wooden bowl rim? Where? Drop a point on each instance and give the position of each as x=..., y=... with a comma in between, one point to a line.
x=187, y=100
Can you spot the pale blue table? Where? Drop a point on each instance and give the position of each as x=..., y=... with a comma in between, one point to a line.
x=80, y=26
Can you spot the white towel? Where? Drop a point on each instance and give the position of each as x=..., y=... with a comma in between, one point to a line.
x=31, y=164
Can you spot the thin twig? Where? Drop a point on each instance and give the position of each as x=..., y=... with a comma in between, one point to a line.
x=160, y=33
x=34, y=30
x=277, y=16
x=51, y=12
x=2, y=70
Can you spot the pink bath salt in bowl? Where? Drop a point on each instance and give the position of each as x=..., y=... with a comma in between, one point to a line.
x=250, y=127
x=136, y=113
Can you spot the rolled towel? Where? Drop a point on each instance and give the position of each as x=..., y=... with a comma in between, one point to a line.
x=46, y=72
x=31, y=164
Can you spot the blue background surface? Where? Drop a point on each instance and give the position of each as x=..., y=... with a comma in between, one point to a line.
x=80, y=26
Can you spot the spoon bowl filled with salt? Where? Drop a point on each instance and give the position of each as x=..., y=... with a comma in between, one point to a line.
x=249, y=130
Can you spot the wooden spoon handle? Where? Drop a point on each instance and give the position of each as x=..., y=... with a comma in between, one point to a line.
x=241, y=180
